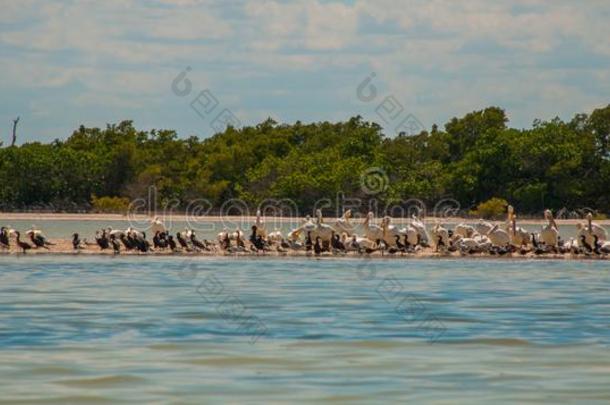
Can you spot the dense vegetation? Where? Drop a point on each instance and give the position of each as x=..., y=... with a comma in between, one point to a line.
x=554, y=164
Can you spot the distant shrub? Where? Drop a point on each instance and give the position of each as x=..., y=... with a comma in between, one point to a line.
x=110, y=204
x=493, y=208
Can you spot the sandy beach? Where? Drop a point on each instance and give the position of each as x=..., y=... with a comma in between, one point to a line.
x=64, y=247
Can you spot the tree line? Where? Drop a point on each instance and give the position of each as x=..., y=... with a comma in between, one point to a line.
x=554, y=164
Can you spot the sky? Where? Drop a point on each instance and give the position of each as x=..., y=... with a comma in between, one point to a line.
x=404, y=64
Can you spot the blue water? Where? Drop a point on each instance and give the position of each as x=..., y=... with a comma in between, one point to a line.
x=194, y=330
x=205, y=228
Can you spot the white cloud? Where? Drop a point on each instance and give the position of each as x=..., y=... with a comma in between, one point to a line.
x=439, y=57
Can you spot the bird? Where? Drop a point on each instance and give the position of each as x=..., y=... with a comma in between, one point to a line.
x=23, y=245
x=343, y=224
x=410, y=247
x=337, y=244
x=483, y=227
x=550, y=232
x=389, y=231
x=127, y=240
x=498, y=237
x=316, y=247
x=379, y=246
x=142, y=244
x=76, y=242
x=159, y=240
x=102, y=239
x=604, y=247
x=591, y=229
x=518, y=236
x=422, y=233
x=197, y=243
x=256, y=240
x=372, y=231
x=411, y=235
x=324, y=231
x=239, y=242
x=308, y=242
x=222, y=235
x=157, y=226
x=466, y=231
x=538, y=250
x=588, y=248
x=468, y=245
x=596, y=245
x=260, y=224
x=37, y=239
x=275, y=236
x=441, y=236
x=183, y=242
x=171, y=243
x=4, y=238
x=116, y=246
x=440, y=243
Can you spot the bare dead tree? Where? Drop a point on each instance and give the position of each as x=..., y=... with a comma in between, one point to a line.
x=15, y=122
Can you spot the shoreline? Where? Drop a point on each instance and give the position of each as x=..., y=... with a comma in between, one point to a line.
x=30, y=216
x=63, y=247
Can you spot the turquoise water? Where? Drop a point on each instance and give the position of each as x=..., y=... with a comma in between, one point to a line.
x=200, y=330
x=63, y=229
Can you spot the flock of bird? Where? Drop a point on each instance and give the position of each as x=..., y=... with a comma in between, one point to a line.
x=316, y=237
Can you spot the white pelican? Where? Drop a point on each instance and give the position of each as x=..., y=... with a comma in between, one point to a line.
x=33, y=231
x=571, y=245
x=483, y=227
x=275, y=236
x=305, y=227
x=260, y=225
x=604, y=247
x=465, y=231
x=156, y=225
x=293, y=235
x=322, y=230
x=421, y=229
x=356, y=243
x=498, y=237
x=518, y=235
x=390, y=232
x=116, y=232
x=441, y=237
x=222, y=235
x=590, y=230
x=550, y=232
x=468, y=245
x=411, y=233
x=371, y=231
x=343, y=224
x=238, y=233
x=134, y=233
x=10, y=231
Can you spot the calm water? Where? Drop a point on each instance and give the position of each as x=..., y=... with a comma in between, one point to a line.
x=63, y=229
x=176, y=330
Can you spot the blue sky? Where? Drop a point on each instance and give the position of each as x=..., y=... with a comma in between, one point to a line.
x=67, y=63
